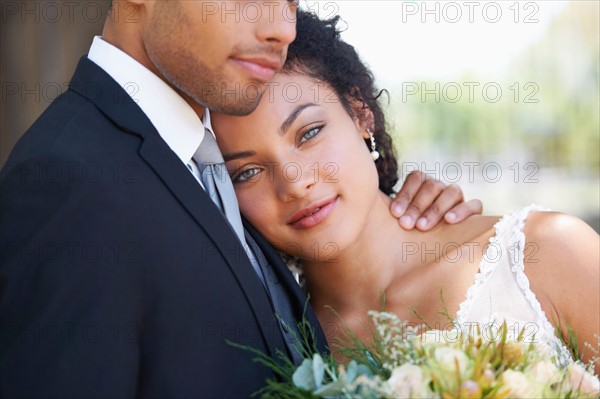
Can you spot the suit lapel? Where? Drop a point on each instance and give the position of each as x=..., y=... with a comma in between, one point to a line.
x=95, y=84
x=298, y=299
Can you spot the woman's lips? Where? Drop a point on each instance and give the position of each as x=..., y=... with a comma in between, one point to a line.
x=258, y=68
x=314, y=214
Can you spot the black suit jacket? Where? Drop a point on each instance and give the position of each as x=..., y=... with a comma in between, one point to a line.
x=119, y=277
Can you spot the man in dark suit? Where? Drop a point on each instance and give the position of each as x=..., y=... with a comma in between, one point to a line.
x=120, y=277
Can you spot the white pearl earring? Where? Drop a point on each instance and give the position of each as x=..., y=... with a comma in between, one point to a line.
x=374, y=152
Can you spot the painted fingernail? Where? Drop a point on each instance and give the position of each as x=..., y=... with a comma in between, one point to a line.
x=451, y=216
x=422, y=222
x=406, y=220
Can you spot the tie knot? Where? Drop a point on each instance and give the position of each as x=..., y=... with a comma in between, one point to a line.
x=208, y=152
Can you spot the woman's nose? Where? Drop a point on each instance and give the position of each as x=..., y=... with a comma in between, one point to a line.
x=295, y=181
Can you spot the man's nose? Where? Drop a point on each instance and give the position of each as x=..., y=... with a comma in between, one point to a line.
x=277, y=23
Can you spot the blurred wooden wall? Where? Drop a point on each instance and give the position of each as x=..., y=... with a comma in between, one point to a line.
x=40, y=45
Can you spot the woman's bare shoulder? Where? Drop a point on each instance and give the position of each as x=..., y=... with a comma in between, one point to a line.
x=471, y=228
x=562, y=237
x=562, y=263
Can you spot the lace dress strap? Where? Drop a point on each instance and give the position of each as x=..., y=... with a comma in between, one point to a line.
x=486, y=267
x=517, y=241
x=510, y=240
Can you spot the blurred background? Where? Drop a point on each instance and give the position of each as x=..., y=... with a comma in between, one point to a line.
x=502, y=98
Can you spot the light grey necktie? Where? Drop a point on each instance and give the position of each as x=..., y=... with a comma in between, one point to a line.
x=219, y=187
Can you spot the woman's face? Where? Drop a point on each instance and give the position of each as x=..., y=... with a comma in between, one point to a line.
x=300, y=168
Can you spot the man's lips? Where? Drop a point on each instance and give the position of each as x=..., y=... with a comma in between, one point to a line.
x=313, y=214
x=260, y=68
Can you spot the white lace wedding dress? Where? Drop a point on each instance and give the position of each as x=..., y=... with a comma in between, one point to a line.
x=501, y=291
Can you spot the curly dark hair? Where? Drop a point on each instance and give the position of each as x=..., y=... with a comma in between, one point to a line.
x=320, y=53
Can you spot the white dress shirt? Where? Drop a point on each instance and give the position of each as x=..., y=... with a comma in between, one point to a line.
x=176, y=121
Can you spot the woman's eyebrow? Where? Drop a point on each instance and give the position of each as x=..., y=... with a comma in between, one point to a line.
x=293, y=115
x=282, y=130
x=237, y=155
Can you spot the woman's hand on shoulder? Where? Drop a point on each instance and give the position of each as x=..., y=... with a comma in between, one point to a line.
x=423, y=202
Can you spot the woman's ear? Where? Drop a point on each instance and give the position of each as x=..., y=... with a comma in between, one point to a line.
x=363, y=117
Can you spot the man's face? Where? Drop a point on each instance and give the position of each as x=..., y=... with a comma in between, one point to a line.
x=220, y=53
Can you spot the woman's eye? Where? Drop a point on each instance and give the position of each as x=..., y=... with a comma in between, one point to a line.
x=245, y=175
x=310, y=134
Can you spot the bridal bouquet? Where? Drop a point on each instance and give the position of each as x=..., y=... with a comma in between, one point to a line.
x=404, y=363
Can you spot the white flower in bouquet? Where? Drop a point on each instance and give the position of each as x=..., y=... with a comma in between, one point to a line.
x=520, y=386
x=578, y=378
x=451, y=359
x=545, y=371
x=410, y=381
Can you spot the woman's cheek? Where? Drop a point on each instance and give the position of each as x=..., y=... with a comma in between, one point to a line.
x=254, y=206
x=339, y=162
x=246, y=204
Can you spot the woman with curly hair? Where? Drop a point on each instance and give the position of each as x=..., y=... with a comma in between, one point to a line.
x=317, y=150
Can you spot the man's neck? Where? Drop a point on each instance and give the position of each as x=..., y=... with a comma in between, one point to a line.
x=132, y=44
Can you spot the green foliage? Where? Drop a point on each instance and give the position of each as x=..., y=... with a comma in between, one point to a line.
x=402, y=361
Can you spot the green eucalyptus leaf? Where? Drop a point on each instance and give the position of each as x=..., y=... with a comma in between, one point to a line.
x=303, y=377
x=351, y=371
x=331, y=390
x=318, y=369
x=361, y=369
